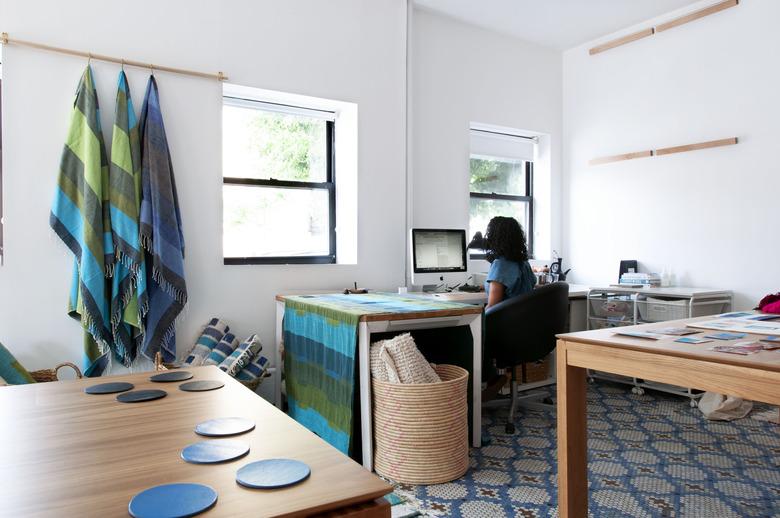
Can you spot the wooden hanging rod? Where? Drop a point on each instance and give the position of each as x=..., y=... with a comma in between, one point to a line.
x=6, y=40
x=664, y=151
x=622, y=41
x=701, y=13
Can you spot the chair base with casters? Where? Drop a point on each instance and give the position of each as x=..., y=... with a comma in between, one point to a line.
x=533, y=399
x=523, y=329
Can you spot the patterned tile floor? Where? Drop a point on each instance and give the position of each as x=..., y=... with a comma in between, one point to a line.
x=650, y=455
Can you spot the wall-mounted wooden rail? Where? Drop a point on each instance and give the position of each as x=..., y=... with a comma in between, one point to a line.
x=6, y=40
x=701, y=13
x=622, y=41
x=664, y=151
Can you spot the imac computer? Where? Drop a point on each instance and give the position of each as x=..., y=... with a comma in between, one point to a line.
x=438, y=256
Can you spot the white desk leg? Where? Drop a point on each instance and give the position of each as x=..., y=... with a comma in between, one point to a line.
x=476, y=382
x=366, y=425
x=278, y=354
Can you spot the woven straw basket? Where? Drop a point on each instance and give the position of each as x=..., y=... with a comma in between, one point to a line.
x=421, y=430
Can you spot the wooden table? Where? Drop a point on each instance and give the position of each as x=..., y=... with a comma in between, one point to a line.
x=755, y=377
x=466, y=315
x=66, y=453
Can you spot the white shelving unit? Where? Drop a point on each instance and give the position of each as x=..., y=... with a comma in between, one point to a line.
x=628, y=306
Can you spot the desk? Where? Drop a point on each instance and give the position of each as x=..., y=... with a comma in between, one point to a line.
x=463, y=315
x=66, y=453
x=754, y=377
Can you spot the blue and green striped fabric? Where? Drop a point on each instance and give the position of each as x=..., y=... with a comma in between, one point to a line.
x=255, y=369
x=222, y=350
x=241, y=355
x=80, y=217
x=161, y=232
x=128, y=287
x=11, y=371
x=320, y=344
x=209, y=338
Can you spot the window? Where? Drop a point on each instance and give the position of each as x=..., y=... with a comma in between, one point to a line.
x=501, y=179
x=501, y=187
x=1, y=156
x=279, y=190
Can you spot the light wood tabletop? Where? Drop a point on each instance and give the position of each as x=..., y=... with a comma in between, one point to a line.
x=66, y=453
x=753, y=377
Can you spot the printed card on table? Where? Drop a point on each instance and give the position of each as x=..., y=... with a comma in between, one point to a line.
x=725, y=336
x=692, y=340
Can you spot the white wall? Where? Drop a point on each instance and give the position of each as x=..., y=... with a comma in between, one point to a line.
x=463, y=74
x=707, y=214
x=341, y=49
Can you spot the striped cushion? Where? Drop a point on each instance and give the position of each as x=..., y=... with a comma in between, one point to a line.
x=11, y=371
x=241, y=357
x=255, y=369
x=222, y=350
x=209, y=338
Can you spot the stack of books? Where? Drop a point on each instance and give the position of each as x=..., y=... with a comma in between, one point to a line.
x=640, y=279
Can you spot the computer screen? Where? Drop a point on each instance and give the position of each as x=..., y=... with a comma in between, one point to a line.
x=438, y=250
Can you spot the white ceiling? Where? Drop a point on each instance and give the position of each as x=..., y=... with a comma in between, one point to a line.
x=560, y=24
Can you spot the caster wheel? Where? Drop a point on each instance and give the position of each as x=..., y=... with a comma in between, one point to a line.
x=591, y=381
x=694, y=404
x=634, y=390
x=549, y=401
x=510, y=428
x=640, y=391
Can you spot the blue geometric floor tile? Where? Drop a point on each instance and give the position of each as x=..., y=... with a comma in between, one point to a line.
x=650, y=455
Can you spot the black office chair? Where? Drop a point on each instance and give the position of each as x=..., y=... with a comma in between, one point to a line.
x=523, y=328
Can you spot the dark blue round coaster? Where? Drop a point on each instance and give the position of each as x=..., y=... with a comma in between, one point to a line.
x=172, y=501
x=224, y=426
x=201, y=385
x=217, y=450
x=272, y=473
x=109, y=388
x=137, y=396
x=168, y=376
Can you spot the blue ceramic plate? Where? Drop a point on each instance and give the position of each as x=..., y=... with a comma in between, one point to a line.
x=138, y=396
x=224, y=426
x=168, y=376
x=272, y=473
x=109, y=388
x=201, y=385
x=172, y=501
x=217, y=450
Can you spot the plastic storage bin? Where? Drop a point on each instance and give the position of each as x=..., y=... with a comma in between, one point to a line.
x=421, y=430
x=658, y=309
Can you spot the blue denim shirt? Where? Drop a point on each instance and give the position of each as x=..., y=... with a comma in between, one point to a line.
x=517, y=278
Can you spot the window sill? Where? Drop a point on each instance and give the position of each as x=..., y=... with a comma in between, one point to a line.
x=320, y=259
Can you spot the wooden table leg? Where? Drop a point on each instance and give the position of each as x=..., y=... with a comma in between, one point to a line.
x=572, y=438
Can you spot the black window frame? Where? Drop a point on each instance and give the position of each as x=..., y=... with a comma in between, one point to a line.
x=329, y=184
x=527, y=198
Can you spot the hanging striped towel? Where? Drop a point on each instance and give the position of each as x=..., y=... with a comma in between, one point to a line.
x=223, y=349
x=128, y=286
x=161, y=233
x=255, y=369
x=242, y=355
x=80, y=217
x=209, y=339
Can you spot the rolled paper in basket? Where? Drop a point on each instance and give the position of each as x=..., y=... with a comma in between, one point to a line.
x=223, y=349
x=213, y=332
x=254, y=370
x=241, y=357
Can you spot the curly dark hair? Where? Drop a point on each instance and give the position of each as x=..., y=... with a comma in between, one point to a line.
x=505, y=238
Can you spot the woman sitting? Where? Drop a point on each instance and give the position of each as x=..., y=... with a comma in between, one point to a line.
x=510, y=274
